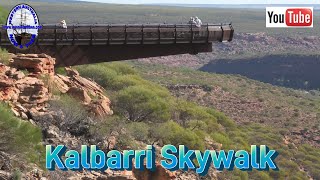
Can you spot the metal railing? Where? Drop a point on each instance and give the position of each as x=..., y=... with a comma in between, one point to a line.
x=114, y=34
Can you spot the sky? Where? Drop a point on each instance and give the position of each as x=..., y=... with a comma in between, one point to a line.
x=210, y=1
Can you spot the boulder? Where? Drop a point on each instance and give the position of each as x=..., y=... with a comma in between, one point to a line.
x=24, y=116
x=160, y=173
x=18, y=75
x=92, y=87
x=5, y=81
x=5, y=175
x=84, y=90
x=60, y=84
x=79, y=94
x=3, y=68
x=71, y=72
x=52, y=132
x=101, y=107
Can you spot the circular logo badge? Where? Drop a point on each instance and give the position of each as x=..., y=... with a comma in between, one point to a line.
x=22, y=26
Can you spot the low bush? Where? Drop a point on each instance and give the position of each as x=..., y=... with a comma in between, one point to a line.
x=139, y=131
x=4, y=56
x=102, y=75
x=19, y=137
x=138, y=103
x=3, y=15
x=172, y=133
x=74, y=118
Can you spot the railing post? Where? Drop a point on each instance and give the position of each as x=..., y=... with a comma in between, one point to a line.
x=192, y=35
x=222, y=33
x=208, y=37
x=55, y=35
x=175, y=33
x=108, y=42
x=231, y=32
x=37, y=39
x=159, y=35
x=142, y=34
x=73, y=36
x=91, y=35
x=125, y=34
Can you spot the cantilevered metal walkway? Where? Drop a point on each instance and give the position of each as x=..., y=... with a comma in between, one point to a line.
x=85, y=43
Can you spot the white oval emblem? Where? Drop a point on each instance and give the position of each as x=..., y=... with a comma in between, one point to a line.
x=22, y=26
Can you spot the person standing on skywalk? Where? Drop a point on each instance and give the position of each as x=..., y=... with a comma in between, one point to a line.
x=65, y=29
x=198, y=22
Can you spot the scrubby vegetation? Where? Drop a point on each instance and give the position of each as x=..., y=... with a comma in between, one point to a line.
x=280, y=107
x=3, y=15
x=74, y=117
x=19, y=137
x=148, y=113
x=4, y=57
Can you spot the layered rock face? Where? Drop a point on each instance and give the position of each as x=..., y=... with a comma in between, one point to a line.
x=89, y=92
x=27, y=85
x=35, y=63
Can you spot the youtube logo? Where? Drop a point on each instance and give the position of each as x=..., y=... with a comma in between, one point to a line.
x=289, y=17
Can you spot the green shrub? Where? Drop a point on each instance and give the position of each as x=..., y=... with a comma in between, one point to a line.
x=186, y=111
x=222, y=119
x=3, y=15
x=125, y=81
x=138, y=103
x=17, y=136
x=139, y=130
x=75, y=117
x=105, y=74
x=4, y=56
x=172, y=133
x=60, y=70
x=264, y=176
x=223, y=139
x=16, y=174
x=100, y=74
x=120, y=68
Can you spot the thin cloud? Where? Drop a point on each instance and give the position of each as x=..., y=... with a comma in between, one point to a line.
x=209, y=1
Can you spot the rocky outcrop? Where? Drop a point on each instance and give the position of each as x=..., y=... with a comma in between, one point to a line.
x=22, y=92
x=35, y=63
x=160, y=173
x=87, y=91
x=28, y=82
